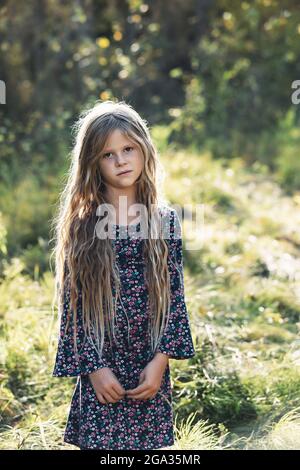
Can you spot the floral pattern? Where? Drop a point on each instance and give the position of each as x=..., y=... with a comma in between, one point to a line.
x=128, y=424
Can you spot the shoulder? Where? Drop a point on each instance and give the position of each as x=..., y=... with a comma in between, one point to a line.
x=167, y=210
x=170, y=218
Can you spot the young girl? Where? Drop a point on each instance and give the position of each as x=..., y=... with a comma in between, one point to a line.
x=121, y=297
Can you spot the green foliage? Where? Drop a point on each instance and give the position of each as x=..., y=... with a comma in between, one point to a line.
x=217, y=395
x=238, y=96
x=240, y=290
x=223, y=85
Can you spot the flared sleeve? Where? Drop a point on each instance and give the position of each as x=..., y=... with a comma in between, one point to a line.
x=176, y=340
x=67, y=364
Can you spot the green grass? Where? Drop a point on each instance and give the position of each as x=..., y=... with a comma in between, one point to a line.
x=242, y=389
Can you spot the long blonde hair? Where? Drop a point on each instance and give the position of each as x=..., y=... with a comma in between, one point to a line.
x=81, y=259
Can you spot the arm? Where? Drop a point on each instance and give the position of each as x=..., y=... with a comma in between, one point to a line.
x=164, y=357
x=176, y=341
x=150, y=378
x=66, y=362
x=161, y=359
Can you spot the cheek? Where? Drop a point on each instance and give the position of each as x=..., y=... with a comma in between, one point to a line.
x=105, y=169
x=139, y=161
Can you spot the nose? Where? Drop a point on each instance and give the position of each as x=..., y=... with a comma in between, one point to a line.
x=120, y=158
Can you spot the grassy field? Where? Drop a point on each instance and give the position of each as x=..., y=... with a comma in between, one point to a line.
x=242, y=389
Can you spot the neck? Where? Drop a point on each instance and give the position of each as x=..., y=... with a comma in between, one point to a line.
x=119, y=197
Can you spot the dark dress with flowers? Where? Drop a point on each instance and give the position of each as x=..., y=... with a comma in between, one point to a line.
x=128, y=424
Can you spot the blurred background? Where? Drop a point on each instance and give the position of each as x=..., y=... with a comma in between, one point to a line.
x=214, y=81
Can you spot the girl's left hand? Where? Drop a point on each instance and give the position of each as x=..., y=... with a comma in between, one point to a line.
x=149, y=381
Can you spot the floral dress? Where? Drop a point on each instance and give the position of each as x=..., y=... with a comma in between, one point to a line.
x=129, y=424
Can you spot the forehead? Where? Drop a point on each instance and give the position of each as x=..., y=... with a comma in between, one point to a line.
x=116, y=140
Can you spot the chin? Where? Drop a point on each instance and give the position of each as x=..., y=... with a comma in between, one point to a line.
x=125, y=184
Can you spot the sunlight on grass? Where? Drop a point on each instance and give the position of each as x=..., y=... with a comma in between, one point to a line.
x=243, y=297
x=283, y=435
x=200, y=436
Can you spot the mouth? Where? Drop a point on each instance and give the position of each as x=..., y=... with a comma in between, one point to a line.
x=124, y=172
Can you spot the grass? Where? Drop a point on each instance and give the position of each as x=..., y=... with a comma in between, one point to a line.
x=241, y=390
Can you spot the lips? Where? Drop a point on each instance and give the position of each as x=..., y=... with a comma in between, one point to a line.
x=125, y=172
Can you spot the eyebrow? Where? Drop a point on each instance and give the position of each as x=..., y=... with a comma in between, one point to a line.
x=111, y=150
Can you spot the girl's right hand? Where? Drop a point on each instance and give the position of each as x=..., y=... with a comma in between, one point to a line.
x=106, y=385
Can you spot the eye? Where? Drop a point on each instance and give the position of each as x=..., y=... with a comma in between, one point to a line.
x=128, y=147
x=106, y=154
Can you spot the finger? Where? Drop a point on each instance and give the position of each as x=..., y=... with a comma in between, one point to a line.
x=101, y=398
x=119, y=389
x=140, y=388
x=142, y=395
x=142, y=378
x=115, y=394
x=109, y=397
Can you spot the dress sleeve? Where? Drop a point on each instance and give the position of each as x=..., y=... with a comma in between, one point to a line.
x=176, y=340
x=67, y=364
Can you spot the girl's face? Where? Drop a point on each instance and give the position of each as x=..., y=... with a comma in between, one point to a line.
x=120, y=154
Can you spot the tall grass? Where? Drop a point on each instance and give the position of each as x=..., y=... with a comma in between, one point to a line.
x=241, y=390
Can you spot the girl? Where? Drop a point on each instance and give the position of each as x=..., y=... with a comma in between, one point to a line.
x=121, y=297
